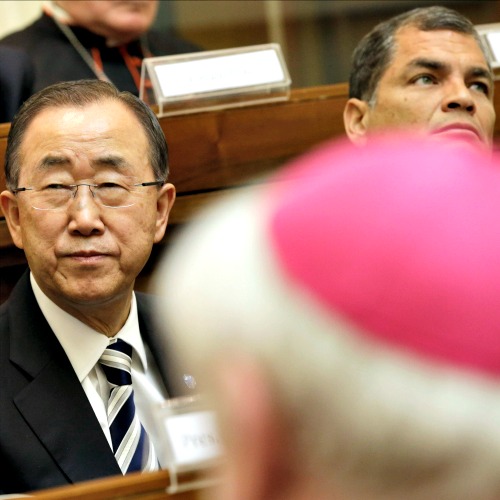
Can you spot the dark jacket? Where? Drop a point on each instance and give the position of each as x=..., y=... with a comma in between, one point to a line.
x=16, y=81
x=49, y=434
x=54, y=59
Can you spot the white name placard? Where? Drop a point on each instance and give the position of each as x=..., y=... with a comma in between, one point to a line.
x=494, y=43
x=208, y=80
x=490, y=36
x=193, y=437
x=220, y=72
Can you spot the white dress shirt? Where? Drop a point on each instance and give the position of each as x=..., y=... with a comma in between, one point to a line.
x=84, y=346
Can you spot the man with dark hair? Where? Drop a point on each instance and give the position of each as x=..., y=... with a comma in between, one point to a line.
x=86, y=169
x=425, y=69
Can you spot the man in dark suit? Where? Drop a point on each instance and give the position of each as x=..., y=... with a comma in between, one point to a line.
x=88, y=39
x=16, y=80
x=86, y=169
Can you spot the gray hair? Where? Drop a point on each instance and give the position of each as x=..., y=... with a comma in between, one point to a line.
x=81, y=93
x=374, y=53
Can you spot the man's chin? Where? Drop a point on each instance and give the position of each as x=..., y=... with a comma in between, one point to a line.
x=88, y=293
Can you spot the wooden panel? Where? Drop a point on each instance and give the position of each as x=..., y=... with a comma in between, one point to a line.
x=150, y=486
x=219, y=149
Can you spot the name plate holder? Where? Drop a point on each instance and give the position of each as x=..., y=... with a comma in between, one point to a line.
x=490, y=36
x=217, y=79
x=192, y=448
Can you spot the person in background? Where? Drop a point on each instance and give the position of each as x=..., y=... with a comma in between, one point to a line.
x=425, y=69
x=344, y=319
x=81, y=363
x=104, y=39
x=15, y=81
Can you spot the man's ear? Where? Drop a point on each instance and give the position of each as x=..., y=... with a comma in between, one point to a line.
x=356, y=117
x=10, y=211
x=164, y=204
x=257, y=440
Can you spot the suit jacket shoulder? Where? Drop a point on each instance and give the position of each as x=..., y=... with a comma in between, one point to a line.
x=44, y=43
x=16, y=81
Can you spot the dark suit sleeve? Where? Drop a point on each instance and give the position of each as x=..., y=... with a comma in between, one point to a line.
x=16, y=81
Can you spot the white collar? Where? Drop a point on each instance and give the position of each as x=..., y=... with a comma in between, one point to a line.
x=84, y=345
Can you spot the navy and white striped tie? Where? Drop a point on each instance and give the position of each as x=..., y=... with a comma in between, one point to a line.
x=131, y=445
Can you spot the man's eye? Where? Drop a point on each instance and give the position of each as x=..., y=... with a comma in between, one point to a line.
x=111, y=186
x=55, y=187
x=424, y=80
x=481, y=87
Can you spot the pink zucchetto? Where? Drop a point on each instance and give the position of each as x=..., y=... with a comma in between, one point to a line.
x=399, y=238
x=402, y=238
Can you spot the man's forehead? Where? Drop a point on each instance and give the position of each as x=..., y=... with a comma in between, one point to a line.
x=106, y=117
x=61, y=132
x=410, y=39
x=446, y=48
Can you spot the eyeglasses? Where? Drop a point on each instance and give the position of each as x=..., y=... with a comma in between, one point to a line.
x=117, y=193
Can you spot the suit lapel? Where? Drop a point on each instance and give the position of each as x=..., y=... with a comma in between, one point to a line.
x=53, y=401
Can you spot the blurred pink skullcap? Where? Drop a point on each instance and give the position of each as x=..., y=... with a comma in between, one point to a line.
x=402, y=238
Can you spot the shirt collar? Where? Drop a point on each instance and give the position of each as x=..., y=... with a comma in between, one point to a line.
x=84, y=345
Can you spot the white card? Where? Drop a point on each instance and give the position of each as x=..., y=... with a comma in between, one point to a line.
x=193, y=437
x=219, y=72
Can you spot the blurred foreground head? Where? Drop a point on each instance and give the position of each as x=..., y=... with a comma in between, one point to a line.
x=346, y=318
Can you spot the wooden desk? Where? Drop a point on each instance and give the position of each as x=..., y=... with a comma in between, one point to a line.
x=150, y=486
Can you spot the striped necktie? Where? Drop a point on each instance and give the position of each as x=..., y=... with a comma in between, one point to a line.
x=131, y=445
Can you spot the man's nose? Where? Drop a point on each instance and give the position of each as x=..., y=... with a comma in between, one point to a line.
x=458, y=97
x=84, y=213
